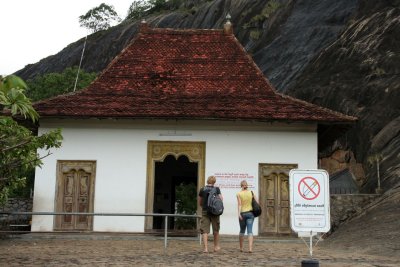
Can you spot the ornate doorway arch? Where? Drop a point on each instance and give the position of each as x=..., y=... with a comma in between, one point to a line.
x=157, y=151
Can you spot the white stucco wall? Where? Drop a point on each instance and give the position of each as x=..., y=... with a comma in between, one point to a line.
x=120, y=151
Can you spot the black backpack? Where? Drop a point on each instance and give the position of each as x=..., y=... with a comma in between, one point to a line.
x=215, y=206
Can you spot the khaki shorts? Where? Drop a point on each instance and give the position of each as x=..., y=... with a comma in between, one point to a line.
x=206, y=221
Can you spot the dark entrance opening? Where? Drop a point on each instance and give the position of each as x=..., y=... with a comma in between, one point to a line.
x=175, y=191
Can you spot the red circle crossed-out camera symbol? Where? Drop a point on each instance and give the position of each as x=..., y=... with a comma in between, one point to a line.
x=309, y=188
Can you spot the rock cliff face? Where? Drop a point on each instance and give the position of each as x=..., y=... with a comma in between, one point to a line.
x=359, y=74
x=341, y=54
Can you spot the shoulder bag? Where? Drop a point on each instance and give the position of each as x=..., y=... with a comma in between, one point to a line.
x=256, y=207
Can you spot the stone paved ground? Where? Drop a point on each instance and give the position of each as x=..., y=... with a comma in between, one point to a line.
x=370, y=239
x=149, y=251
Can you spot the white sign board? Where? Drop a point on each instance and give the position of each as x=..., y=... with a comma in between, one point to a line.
x=233, y=179
x=309, y=201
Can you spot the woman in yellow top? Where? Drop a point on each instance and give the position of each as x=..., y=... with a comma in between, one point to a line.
x=246, y=216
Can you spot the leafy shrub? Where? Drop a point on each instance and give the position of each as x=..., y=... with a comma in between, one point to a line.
x=255, y=34
x=53, y=84
x=186, y=204
x=270, y=8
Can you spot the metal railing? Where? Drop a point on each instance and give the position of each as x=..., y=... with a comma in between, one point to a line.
x=342, y=190
x=166, y=216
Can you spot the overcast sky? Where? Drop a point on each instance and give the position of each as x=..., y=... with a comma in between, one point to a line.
x=34, y=29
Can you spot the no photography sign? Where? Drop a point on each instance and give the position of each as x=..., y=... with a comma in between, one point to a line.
x=309, y=200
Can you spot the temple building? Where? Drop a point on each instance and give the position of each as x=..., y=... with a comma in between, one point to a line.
x=174, y=107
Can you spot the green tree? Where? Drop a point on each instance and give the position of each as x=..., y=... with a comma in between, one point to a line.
x=138, y=9
x=53, y=84
x=99, y=18
x=18, y=144
x=158, y=5
x=12, y=96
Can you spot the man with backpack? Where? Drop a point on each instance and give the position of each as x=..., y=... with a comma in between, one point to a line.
x=210, y=200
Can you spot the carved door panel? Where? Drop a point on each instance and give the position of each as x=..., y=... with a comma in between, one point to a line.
x=75, y=182
x=274, y=198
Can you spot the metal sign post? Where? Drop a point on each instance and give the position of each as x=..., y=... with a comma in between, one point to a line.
x=309, y=204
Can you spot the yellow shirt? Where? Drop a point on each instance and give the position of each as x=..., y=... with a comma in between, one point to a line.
x=245, y=198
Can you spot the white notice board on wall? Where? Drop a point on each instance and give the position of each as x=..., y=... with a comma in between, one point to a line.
x=309, y=201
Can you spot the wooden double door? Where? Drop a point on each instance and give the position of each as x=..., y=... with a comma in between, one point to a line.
x=75, y=192
x=274, y=199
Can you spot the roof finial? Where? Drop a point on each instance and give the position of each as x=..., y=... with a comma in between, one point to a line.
x=143, y=25
x=228, y=29
x=228, y=17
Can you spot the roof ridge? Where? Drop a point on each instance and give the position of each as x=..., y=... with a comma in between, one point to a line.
x=181, y=30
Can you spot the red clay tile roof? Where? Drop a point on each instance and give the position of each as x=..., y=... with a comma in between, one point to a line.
x=184, y=74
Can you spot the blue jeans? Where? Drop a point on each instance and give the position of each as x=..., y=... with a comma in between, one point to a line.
x=246, y=222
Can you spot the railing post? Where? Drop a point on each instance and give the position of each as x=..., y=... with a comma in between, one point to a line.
x=198, y=224
x=166, y=231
